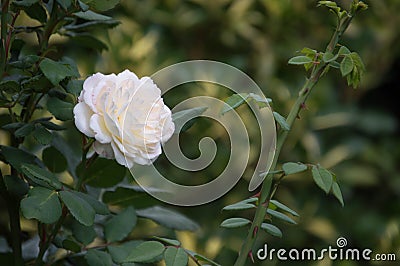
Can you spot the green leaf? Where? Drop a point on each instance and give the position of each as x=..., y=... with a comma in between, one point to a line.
x=119, y=226
x=54, y=160
x=347, y=65
x=182, y=119
x=331, y=5
x=42, y=135
x=334, y=64
x=90, y=15
x=234, y=101
x=57, y=71
x=24, y=131
x=12, y=126
x=17, y=157
x=75, y=87
x=89, y=42
x=145, y=251
x=281, y=216
x=327, y=3
x=293, y=168
x=358, y=63
x=175, y=257
x=60, y=109
x=120, y=252
x=98, y=206
x=355, y=77
x=168, y=218
x=64, y=3
x=69, y=153
x=283, y=207
x=130, y=195
x=102, y=5
x=98, y=258
x=41, y=204
x=51, y=126
x=168, y=241
x=205, y=259
x=36, y=11
x=235, y=222
x=329, y=57
x=59, y=93
x=84, y=234
x=24, y=2
x=70, y=244
x=337, y=192
x=308, y=52
x=271, y=229
x=79, y=208
x=249, y=200
x=15, y=185
x=75, y=30
x=41, y=176
x=239, y=206
x=300, y=60
x=9, y=86
x=103, y=173
x=322, y=177
x=343, y=51
x=25, y=62
x=281, y=121
x=260, y=100
x=83, y=4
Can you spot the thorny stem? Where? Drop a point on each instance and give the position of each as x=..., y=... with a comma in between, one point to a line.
x=12, y=202
x=3, y=32
x=49, y=29
x=265, y=193
x=15, y=226
x=45, y=244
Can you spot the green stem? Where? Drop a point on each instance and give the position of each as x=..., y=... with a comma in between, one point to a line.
x=265, y=192
x=45, y=244
x=3, y=33
x=49, y=29
x=15, y=226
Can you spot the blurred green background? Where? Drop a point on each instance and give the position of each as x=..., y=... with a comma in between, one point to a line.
x=355, y=133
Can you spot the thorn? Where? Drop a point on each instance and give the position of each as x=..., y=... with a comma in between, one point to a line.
x=304, y=106
x=255, y=231
x=251, y=257
x=257, y=195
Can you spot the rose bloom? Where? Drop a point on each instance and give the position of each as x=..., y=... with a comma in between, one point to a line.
x=126, y=116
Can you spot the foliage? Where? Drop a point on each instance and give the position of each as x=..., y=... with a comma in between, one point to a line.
x=49, y=180
x=353, y=133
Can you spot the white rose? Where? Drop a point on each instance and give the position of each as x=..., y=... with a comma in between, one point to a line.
x=126, y=116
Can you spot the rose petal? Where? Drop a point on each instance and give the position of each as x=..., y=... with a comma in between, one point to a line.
x=104, y=150
x=82, y=115
x=97, y=124
x=94, y=89
x=126, y=115
x=119, y=156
